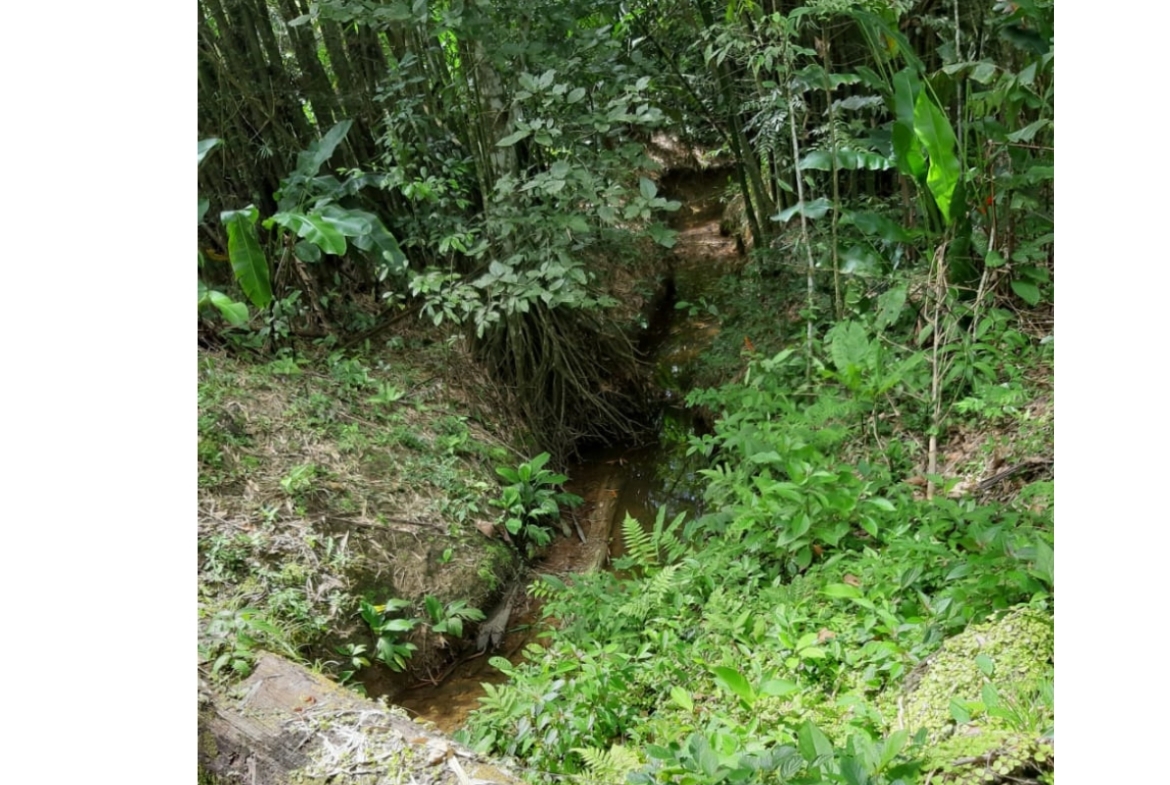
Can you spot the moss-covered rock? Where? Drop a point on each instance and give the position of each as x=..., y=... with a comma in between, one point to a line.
x=1005, y=712
x=1020, y=645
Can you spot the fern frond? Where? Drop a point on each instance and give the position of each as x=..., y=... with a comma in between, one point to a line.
x=639, y=543
x=653, y=591
x=608, y=766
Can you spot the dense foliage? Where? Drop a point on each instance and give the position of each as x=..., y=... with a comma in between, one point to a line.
x=487, y=166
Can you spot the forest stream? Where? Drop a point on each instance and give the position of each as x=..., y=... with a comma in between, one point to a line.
x=635, y=480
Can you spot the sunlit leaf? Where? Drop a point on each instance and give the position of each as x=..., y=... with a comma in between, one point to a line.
x=249, y=264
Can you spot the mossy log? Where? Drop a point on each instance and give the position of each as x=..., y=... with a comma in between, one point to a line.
x=286, y=724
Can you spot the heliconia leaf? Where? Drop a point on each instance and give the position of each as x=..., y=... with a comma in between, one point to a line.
x=934, y=131
x=907, y=151
x=313, y=228
x=310, y=161
x=235, y=313
x=351, y=223
x=249, y=264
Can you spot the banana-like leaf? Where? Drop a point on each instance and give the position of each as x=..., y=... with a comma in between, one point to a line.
x=907, y=150
x=234, y=312
x=248, y=261
x=313, y=228
x=310, y=161
x=378, y=236
x=934, y=132
x=206, y=146
x=351, y=223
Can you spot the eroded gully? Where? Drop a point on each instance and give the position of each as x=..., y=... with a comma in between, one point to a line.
x=635, y=480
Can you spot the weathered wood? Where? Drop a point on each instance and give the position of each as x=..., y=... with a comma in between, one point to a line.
x=286, y=724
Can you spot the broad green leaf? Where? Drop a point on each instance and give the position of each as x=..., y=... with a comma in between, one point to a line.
x=576, y=223
x=778, y=687
x=734, y=681
x=351, y=223
x=849, y=345
x=934, y=131
x=894, y=744
x=513, y=138
x=575, y=95
x=959, y=713
x=841, y=591
x=1027, y=291
x=813, y=743
x=203, y=204
x=878, y=226
x=248, y=261
x=647, y=188
x=313, y=228
x=399, y=625
x=235, y=313
x=907, y=150
x=206, y=146
x=682, y=698
x=983, y=72
x=1045, y=562
x=890, y=305
x=985, y=664
x=662, y=235
x=381, y=239
x=307, y=252
x=310, y=161
x=1028, y=132
x=814, y=209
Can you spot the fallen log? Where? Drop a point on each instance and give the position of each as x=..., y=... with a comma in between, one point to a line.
x=285, y=724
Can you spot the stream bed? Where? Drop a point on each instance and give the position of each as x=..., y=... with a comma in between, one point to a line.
x=635, y=480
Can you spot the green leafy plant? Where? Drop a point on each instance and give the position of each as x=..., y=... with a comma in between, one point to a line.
x=448, y=620
x=233, y=312
x=355, y=654
x=230, y=638
x=390, y=648
x=299, y=480
x=531, y=499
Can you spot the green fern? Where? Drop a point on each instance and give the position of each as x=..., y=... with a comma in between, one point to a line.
x=652, y=593
x=608, y=766
x=649, y=550
x=639, y=544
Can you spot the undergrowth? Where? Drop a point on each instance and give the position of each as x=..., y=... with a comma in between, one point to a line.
x=783, y=634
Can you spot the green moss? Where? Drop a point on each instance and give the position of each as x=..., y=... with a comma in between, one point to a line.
x=1020, y=645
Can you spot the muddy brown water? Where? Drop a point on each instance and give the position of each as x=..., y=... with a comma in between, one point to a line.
x=635, y=480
